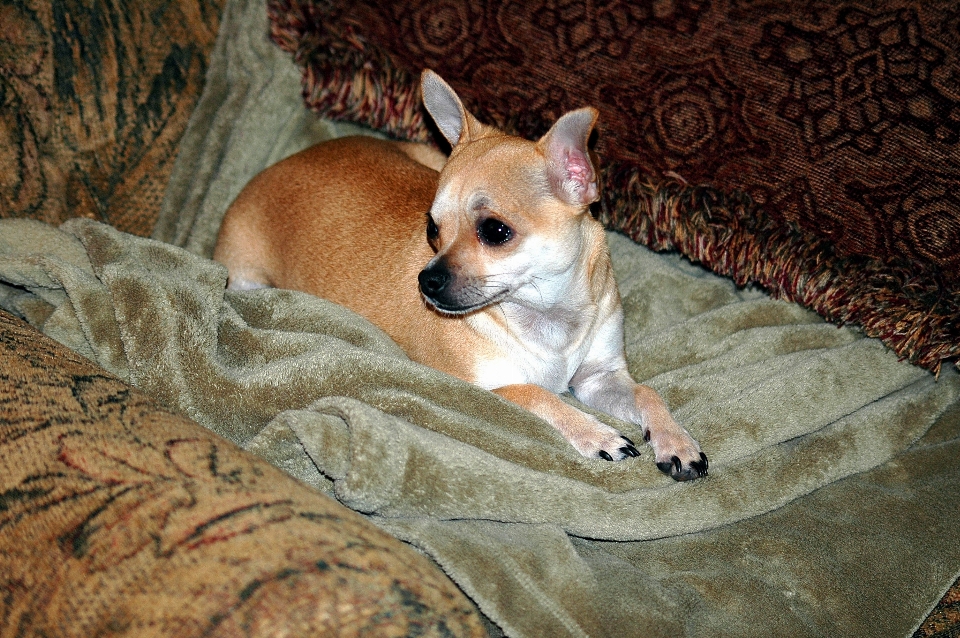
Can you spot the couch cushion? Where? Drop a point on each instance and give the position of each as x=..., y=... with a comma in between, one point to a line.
x=121, y=517
x=93, y=101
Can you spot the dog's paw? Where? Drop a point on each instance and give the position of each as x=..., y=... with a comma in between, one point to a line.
x=624, y=448
x=677, y=454
x=680, y=471
x=603, y=442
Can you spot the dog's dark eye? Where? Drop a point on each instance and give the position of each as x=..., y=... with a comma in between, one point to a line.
x=493, y=232
x=432, y=231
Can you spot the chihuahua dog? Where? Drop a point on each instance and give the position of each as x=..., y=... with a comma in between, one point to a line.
x=486, y=265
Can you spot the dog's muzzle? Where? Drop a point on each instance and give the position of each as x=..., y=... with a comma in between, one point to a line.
x=451, y=293
x=439, y=287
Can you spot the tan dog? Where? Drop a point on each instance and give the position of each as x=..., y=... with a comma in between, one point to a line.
x=516, y=293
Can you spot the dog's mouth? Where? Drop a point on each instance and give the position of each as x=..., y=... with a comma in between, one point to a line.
x=456, y=307
x=452, y=295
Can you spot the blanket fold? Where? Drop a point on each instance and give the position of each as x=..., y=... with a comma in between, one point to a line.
x=402, y=440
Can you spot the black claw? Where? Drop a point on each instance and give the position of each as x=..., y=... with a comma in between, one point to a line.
x=629, y=442
x=629, y=450
x=646, y=436
x=674, y=468
x=605, y=455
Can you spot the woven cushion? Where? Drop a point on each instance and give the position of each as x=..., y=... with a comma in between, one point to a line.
x=93, y=101
x=120, y=517
x=810, y=149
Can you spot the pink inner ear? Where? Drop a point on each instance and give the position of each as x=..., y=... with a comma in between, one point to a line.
x=580, y=173
x=578, y=168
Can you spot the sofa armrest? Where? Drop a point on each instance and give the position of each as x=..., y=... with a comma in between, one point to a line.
x=121, y=517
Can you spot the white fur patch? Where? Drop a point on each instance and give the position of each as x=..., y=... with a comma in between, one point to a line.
x=238, y=283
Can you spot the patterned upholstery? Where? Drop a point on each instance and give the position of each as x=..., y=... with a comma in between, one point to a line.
x=120, y=517
x=94, y=98
x=812, y=148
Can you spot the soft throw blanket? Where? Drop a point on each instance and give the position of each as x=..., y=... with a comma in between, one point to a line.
x=785, y=403
x=829, y=458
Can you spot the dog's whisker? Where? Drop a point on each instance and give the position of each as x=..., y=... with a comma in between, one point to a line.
x=539, y=292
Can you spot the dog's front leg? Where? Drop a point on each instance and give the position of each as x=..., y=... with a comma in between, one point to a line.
x=616, y=393
x=589, y=436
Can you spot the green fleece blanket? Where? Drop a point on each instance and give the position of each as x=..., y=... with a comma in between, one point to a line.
x=831, y=503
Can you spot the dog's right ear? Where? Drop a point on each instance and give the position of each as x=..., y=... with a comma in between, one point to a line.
x=446, y=109
x=570, y=168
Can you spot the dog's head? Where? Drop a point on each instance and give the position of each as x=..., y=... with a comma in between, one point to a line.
x=506, y=223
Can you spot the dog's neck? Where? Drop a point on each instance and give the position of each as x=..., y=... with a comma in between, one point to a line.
x=558, y=314
x=554, y=329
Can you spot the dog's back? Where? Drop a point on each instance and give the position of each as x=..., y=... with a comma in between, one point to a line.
x=352, y=230
x=345, y=203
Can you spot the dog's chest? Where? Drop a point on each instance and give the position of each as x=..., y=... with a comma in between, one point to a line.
x=547, y=354
x=552, y=373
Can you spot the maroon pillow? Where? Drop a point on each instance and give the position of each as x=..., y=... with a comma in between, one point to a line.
x=811, y=148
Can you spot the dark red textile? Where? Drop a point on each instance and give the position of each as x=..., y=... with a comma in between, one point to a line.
x=833, y=126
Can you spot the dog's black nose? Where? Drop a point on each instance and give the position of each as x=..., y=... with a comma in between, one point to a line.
x=434, y=280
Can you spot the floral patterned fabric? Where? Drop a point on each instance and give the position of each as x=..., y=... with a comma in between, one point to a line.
x=94, y=98
x=119, y=517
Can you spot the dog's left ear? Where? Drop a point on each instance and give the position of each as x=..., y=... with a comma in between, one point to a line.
x=571, y=173
x=456, y=123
